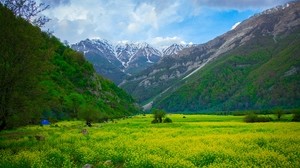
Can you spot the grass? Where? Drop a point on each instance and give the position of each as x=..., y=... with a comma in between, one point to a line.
x=194, y=141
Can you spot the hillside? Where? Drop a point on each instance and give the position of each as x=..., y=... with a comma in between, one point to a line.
x=199, y=78
x=42, y=78
x=259, y=75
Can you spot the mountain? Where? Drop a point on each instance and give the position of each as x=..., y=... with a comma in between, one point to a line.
x=119, y=61
x=43, y=79
x=254, y=66
x=174, y=49
x=136, y=57
x=102, y=55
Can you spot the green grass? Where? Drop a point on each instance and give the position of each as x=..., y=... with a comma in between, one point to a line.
x=194, y=141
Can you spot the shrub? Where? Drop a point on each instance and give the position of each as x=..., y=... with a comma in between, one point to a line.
x=296, y=117
x=167, y=120
x=279, y=112
x=154, y=121
x=250, y=118
x=158, y=115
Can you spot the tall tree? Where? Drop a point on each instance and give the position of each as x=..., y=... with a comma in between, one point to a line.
x=21, y=58
x=29, y=10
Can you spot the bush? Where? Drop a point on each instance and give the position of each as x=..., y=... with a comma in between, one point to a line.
x=155, y=121
x=158, y=115
x=279, y=113
x=296, y=117
x=251, y=118
x=167, y=120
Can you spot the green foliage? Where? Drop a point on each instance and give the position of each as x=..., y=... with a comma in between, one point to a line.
x=252, y=117
x=279, y=112
x=258, y=75
x=89, y=113
x=167, y=120
x=195, y=141
x=154, y=121
x=296, y=117
x=21, y=64
x=43, y=78
x=158, y=115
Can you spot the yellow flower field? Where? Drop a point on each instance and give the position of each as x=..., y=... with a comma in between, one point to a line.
x=194, y=141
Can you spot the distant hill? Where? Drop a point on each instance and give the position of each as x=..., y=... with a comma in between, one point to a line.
x=42, y=78
x=254, y=66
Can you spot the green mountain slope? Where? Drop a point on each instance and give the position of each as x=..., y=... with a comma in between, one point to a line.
x=42, y=78
x=261, y=74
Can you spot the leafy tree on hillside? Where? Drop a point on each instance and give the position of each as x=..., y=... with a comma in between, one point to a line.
x=89, y=113
x=28, y=9
x=42, y=78
x=73, y=103
x=21, y=63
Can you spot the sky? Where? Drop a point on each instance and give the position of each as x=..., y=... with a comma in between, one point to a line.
x=157, y=22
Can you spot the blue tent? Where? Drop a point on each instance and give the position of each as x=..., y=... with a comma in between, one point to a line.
x=45, y=122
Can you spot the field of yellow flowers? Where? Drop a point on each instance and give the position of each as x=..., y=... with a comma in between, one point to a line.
x=193, y=141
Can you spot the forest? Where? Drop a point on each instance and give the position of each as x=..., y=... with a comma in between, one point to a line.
x=42, y=78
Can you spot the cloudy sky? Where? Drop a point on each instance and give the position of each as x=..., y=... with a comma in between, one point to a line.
x=158, y=22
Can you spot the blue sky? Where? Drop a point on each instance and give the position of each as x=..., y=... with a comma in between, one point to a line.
x=158, y=22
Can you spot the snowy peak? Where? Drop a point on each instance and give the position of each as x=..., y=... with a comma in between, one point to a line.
x=130, y=58
x=175, y=48
x=277, y=8
x=94, y=45
x=127, y=53
x=124, y=52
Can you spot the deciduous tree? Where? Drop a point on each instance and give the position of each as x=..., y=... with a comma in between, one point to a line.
x=29, y=10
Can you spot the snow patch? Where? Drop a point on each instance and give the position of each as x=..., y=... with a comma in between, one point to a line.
x=235, y=25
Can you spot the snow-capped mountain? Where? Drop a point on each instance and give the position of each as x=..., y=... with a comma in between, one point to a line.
x=123, y=59
x=175, y=48
x=258, y=33
x=136, y=56
x=98, y=46
x=102, y=55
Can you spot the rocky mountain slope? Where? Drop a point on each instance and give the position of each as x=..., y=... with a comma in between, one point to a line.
x=122, y=60
x=119, y=61
x=136, y=57
x=255, y=42
x=175, y=48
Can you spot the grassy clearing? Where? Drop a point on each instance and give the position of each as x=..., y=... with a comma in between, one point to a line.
x=194, y=141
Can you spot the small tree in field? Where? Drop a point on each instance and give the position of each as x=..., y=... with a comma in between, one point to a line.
x=158, y=115
x=89, y=114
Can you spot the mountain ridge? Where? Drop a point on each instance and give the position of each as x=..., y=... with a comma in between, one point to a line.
x=172, y=71
x=120, y=60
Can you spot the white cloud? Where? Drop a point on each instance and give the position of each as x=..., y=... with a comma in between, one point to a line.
x=135, y=20
x=163, y=42
x=235, y=25
x=239, y=4
x=55, y=3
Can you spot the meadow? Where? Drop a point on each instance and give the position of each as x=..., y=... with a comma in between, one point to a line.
x=194, y=141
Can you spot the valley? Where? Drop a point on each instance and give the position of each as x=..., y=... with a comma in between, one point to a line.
x=121, y=84
x=193, y=141
x=220, y=75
